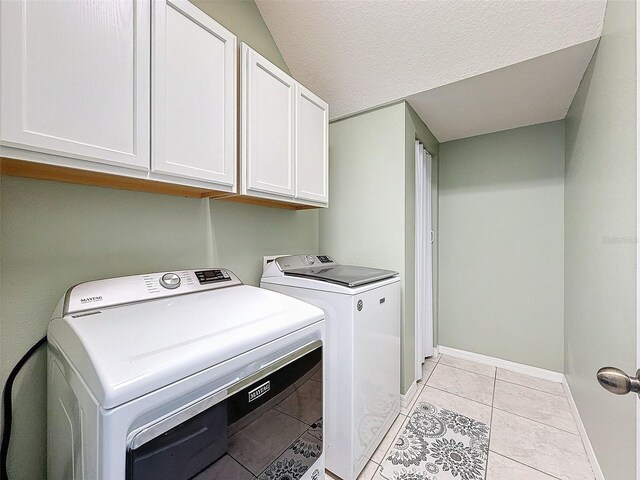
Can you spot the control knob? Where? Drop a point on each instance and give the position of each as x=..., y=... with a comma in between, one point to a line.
x=170, y=281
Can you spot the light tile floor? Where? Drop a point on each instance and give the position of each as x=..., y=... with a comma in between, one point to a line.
x=533, y=434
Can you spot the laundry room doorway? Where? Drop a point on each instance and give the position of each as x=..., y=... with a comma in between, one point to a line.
x=424, y=258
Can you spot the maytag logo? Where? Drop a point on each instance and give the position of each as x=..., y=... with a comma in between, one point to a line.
x=91, y=299
x=259, y=391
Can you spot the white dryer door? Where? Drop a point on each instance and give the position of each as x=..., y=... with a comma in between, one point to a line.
x=269, y=423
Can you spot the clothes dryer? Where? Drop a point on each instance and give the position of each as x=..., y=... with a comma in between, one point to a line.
x=182, y=375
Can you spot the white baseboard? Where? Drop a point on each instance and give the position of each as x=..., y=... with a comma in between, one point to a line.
x=538, y=373
x=505, y=364
x=407, y=398
x=597, y=471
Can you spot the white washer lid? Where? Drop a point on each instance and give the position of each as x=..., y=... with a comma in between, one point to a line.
x=127, y=351
x=347, y=275
x=322, y=273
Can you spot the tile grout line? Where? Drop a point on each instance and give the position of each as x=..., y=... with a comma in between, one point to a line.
x=462, y=369
x=422, y=384
x=406, y=418
x=419, y=384
x=495, y=380
x=236, y=460
x=537, y=421
x=419, y=389
x=288, y=415
x=501, y=379
x=460, y=396
x=495, y=376
x=524, y=464
x=492, y=406
x=468, y=371
x=596, y=470
x=532, y=419
x=378, y=469
x=282, y=453
x=400, y=414
x=533, y=388
x=471, y=371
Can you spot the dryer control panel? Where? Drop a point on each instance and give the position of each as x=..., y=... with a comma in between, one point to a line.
x=210, y=276
x=138, y=288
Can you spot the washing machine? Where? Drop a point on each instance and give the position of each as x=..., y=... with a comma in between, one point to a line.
x=362, y=349
x=184, y=375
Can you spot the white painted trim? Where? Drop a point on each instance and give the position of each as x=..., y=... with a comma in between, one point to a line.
x=407, y=398
x=583, y=432
x=637, y=230
x=418, y=298
x=505, y=364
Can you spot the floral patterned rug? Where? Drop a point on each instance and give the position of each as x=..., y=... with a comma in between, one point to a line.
x=297, y=459
x=438, y=444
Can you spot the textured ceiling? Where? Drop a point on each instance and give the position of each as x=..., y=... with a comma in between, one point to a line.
x=360, y=54
x=527, y=93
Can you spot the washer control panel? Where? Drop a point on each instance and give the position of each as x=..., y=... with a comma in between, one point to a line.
x=300, y=261
x=136, y=288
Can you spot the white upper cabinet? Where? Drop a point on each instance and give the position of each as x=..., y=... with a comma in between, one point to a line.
x=194, y=72
x=149, y=90
x=75, y=79
x=284, y=138
x=268, y=128
x=312, y=147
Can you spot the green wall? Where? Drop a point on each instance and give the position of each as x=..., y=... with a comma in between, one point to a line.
x=243, y=18
x=366, y=175
x=501, y=245
x=53, y=235
x=600, y=239
x=372, y=193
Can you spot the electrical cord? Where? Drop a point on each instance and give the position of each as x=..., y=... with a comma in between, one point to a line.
x=7, y=413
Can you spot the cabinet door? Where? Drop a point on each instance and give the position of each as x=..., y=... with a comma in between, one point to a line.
x=268, y=97
x=194, y=94
x=312, y=147
x=76, y=79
